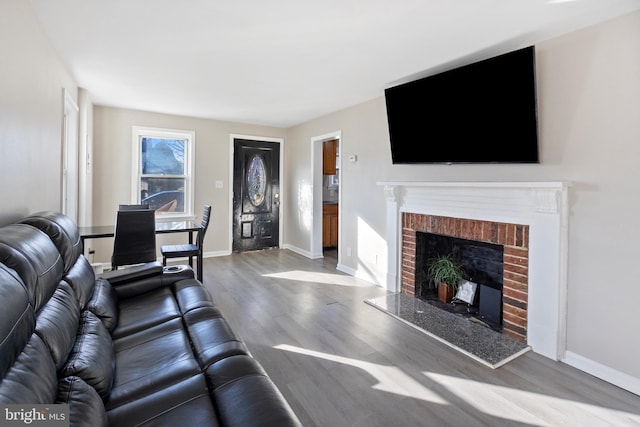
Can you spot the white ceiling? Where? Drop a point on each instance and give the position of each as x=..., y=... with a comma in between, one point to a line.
x=284, y=62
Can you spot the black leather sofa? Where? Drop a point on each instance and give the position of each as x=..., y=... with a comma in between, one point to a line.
x=139, y=346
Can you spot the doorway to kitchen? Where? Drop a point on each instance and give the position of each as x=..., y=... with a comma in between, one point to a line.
x=325, y=233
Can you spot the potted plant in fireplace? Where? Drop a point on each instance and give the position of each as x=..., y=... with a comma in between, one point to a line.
x=446, y=273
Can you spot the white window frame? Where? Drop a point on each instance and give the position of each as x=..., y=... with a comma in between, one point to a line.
x=139, y=132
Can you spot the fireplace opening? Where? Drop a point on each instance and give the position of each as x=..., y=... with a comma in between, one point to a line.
x=483, y=265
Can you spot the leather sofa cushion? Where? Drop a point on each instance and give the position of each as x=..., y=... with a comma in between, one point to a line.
x=211, y=336
x=57, y=323
x=32, y=378
x=145, y=311
x=151, y=360
x=185, y=403
x=34, y=257
x=92, y=356
x=62, y=231
x=17, y=321
x=244, y=395
x=104, y=304
x=190, y=294
x=81, y=278
x=85, y=405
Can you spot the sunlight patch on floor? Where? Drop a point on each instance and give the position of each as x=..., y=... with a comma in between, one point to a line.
x=315, y=277
x=504, y=402
x=389, y=378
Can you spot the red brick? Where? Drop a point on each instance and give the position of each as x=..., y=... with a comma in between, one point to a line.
x=432, y=223
x=514, y=321
x=507, y=300
x=516, y=286
x=466, y=229
x=502, y=233
x=516, y=269
x=511, y=235
x=478, y=233
x=519, y=238
x=515, y=294
x=494, y=233
x=518, y=278
x=515, y=251
x=516, y=260
x=512, y=312
x=515, y=335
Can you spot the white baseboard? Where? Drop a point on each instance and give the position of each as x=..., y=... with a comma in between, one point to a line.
x=212, y=254
x=359, y=274
x=340, y=267
x=606, y=373
x=302, y=252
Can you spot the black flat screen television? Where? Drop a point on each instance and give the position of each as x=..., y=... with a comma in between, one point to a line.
x=484, y=112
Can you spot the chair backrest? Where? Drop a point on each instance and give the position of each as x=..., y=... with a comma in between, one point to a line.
x=135, y=237
x=206, y=215
x=132, y=207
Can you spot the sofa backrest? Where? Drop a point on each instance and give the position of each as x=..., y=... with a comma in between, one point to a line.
x=27, y=370
x=46, y=338
x=62, y=231
x=17, y=322
x=32, y=254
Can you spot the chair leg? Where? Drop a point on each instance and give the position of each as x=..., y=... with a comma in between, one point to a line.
x=200, y=266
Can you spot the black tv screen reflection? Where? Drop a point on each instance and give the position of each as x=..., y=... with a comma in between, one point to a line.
x=484, y=112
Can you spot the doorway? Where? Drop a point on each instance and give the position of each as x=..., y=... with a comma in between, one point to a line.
x=256, y=194
x=325, y=188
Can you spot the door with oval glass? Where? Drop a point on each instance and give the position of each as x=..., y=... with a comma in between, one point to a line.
x=256, y=194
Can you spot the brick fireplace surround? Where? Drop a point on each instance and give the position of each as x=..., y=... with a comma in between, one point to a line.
x=530, y=219
x=514, y=238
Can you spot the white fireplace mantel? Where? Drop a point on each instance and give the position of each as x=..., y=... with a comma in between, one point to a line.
x=543, y=206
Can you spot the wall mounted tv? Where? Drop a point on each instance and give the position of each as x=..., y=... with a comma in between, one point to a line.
x=484, y=112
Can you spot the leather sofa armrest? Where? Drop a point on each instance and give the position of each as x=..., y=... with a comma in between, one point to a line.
x=144, y=278
x=129, y=274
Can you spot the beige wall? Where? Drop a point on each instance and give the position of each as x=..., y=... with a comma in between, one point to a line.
x=31, y=100
x=589, y=109
x=112, y=169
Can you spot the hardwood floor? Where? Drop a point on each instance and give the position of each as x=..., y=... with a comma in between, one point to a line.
x=340, y=362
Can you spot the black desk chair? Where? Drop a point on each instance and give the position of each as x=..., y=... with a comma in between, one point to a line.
x=132, y=207
x=192, y=249
x=135, y=238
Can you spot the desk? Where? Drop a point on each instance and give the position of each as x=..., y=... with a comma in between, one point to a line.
x=162, y=227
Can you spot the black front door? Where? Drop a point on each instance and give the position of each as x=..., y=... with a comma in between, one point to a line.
x=256, y=194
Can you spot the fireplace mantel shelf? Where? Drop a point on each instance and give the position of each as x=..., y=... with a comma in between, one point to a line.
x=478, y=184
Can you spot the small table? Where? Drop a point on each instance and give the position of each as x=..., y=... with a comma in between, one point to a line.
x=162, y=227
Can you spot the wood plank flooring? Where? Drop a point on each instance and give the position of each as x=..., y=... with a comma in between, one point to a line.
x=340, y=362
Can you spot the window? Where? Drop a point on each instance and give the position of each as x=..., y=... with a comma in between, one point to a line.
x=163, y=166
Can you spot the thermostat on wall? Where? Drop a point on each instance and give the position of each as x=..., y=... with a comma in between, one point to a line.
x=353, y=158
